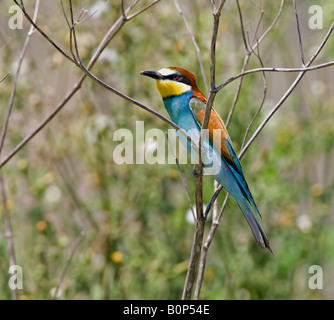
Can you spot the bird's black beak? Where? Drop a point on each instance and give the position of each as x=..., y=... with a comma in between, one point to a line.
x=152, y=74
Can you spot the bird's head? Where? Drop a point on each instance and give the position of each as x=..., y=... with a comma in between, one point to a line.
x=173, y=81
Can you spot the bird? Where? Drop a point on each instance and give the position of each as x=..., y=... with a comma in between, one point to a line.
x=185, y=104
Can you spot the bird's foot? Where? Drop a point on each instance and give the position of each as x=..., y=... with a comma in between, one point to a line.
x=197, y=175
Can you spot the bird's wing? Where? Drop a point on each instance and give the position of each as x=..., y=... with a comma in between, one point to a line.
x=224, y=145
x=216, y=126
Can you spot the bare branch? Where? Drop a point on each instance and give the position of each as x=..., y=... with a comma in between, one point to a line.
x=262, y=101
x=142, y=10
x=274, y=69
x=249, y=52
x=12, y=95
x=255, y=38
x=125, y=18
x=244, y=66
x=67, y=263
x=242, y=28
x=208, y=107
x=199, y=57
x=288, y=92
x=205, y=248
x=213, y=5
x=217, y=187
x=270, y=27
x=32, y=22
x=43, y=123
x=194, y=258
x=4, y=77
x=299, y=33
x=108, y=37
x=213, y=199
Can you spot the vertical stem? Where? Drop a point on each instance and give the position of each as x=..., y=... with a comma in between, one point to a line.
x=8, y=231
x=199, y=231
x=194, y=258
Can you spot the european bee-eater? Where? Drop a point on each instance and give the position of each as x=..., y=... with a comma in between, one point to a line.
x=185, y=104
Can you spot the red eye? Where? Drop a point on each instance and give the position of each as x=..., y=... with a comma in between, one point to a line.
x=176, y=77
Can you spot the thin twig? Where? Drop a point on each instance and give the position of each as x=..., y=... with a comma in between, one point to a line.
x=242, y=28
x=8, y=231
x=274, y=69
x=12, y=95
x=32, y=22
x=262, y=101
x=205, y=248
x=218, y=189
x=271, y=26
x=194, y=259
x=249, y=52
x=142, y=10
x=4, y=77
x=237, y=93
x=288, y=92
x=244, y=66
x=264, y=80
x=213, y=92
x=198, y=50
x=123, y=11
x=255, y=38
x=67, y=263
x=299, y=33
x=67, y=98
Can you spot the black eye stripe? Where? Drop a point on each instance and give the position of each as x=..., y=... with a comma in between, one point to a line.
x=171, y=77
x=180, y=79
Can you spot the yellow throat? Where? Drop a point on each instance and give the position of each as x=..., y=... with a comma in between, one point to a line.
x=168, y=88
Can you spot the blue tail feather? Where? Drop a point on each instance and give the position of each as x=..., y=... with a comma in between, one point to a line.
x=250, y=213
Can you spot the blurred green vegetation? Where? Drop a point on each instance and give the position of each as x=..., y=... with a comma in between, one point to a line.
x=137, y=240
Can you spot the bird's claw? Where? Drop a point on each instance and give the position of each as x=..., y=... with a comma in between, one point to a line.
x=197, y=175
